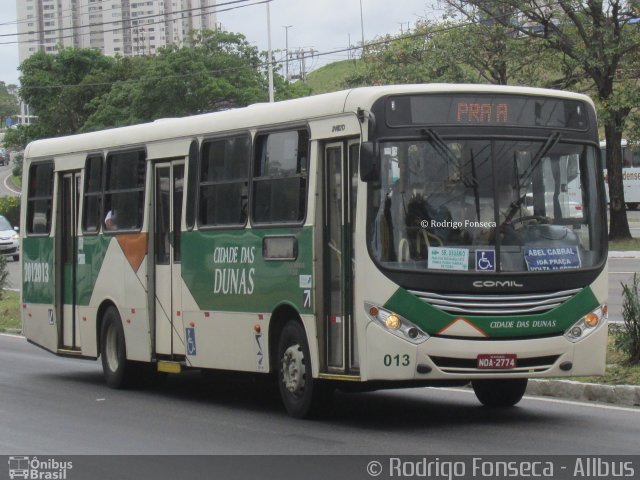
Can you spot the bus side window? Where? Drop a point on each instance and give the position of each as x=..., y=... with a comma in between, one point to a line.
x=627, y=157
x=224, y=181
x=280, y=177
x=635, y=155
x=92, y=214
x=124, y=190
x=40, y=198
x=192, y=185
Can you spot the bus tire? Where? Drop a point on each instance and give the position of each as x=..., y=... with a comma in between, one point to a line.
x=500, y=393
x=118, y=371
x=632, y=206
x=302, y=395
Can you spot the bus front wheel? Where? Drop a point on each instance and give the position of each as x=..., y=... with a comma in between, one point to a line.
x=500, y=393
x=118, y=371
x=302, y=395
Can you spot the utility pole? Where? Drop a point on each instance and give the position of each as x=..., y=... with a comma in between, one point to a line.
x=362, y=27
x=286, y=49
x=269, y=53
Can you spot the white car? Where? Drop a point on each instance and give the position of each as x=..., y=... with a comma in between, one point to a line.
x=9, y=240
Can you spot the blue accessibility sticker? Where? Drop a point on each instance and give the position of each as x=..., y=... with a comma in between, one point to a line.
x=191, y=341
x=485, y=260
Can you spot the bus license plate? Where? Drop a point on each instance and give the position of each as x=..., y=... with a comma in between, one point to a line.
x=497, y=361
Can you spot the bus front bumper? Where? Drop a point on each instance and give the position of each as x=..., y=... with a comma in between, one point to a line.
x=437, y=358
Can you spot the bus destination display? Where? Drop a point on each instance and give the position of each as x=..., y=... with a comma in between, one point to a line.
x=490, y=110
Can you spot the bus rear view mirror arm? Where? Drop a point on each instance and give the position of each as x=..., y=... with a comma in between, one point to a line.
x=368, y=162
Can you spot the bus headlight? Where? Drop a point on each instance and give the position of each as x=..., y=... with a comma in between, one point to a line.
x=395, y=324
x=587, y=324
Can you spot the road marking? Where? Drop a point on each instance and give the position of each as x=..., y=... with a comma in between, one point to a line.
x=11, y=335
x=621, y=273
x=553, y=400
x=6, y=185
x=589, y=404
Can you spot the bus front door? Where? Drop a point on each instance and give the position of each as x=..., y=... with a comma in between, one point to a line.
x=68, y=202
x=340, y=184
x=168, y=196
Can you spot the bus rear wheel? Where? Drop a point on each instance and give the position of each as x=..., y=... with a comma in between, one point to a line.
x=302, y=395
x=118, y=371
x=500, y=393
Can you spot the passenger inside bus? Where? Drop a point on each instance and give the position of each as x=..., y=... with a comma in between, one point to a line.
x=110, y=221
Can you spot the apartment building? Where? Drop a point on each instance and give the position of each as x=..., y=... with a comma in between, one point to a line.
x=124, y=27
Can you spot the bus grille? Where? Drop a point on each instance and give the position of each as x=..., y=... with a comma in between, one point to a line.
x=469, y=365
x=507, y=304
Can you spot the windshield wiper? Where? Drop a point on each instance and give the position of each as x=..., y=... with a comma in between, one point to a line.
x=551, y=142
x=442, y=148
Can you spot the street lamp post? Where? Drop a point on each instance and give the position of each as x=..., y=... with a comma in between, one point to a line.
x=286, y=49
x=270, y=64
x=362, y=27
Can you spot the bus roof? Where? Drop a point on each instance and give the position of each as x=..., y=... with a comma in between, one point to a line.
x=259, y=115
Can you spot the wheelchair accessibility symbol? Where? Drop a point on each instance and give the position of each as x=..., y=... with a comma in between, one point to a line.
x=485, y=260
x=191, y=341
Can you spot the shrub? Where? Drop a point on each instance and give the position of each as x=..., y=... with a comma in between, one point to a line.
x=17, y=165
x=628, y=338
x=10, y=208
x=4, y=275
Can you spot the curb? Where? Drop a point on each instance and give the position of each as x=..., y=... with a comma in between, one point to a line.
x=627, y=395
x=624, y=254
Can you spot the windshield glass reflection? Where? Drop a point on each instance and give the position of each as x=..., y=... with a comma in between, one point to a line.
x=486, y=205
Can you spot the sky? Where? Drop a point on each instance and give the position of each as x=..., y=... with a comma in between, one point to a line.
x=321, y=25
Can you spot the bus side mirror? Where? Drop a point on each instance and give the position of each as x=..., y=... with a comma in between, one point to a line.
x=368, y=162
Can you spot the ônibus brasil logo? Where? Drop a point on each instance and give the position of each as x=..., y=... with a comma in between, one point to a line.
x=34, y=469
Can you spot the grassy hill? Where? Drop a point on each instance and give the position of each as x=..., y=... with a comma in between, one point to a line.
x=330, y=78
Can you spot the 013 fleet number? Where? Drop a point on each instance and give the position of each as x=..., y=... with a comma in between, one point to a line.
x=396, y=360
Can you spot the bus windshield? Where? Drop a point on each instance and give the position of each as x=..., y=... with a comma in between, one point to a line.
x=489, y=205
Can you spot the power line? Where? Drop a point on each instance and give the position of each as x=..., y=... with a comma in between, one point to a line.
x=111, y=22
x=303, y=56
x=77, y=9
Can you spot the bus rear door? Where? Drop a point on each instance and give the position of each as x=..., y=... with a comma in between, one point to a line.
x=68, y=203
x=168, y=193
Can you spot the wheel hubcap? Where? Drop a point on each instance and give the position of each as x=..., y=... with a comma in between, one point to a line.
x=111, y=350
x=293, y=369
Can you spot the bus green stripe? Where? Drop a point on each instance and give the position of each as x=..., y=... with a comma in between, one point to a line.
x=432, y=320
x=38, y=276
x=226, y=270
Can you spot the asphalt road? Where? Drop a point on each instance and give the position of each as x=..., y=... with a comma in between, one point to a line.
x=5, y=188
x=54, y=406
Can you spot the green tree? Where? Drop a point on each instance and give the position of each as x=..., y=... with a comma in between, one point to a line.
x=60, y=87
x=10, y=209
x=220, y=71
x=456, y=52
x=18, y=138
x=594, y=36
x=8, y=102
x=4, y=275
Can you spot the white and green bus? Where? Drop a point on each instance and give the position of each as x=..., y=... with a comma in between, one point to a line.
x=630, y=172
x=380, y=237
